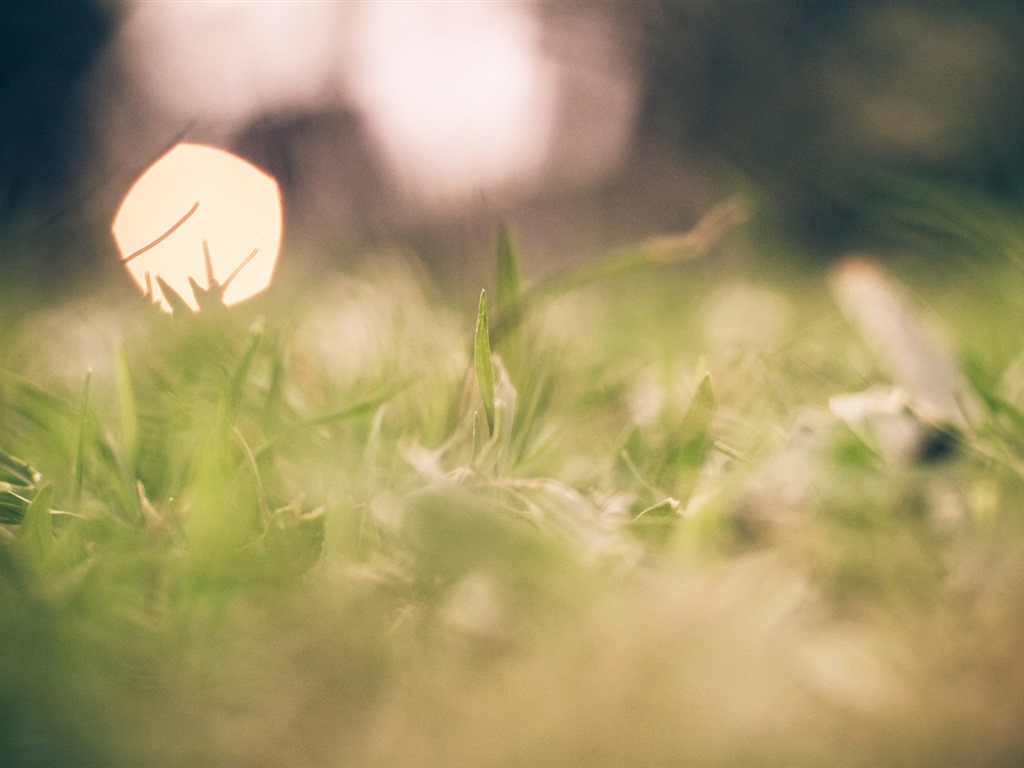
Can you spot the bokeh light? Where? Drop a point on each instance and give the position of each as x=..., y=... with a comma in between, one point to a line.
x=203, y=214
x=458, y=93
x=449, y=104
x=223, y=62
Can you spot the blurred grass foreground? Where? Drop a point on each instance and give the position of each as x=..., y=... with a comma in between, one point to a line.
x=645, y=513
x=745, y=495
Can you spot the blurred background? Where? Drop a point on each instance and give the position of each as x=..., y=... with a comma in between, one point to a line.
x=583, y=125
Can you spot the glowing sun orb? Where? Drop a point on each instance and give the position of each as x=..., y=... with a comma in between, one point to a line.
x=200, y=217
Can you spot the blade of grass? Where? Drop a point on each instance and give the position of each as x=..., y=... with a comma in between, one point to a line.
x=360, y=408
x=18, y=481
x=509, y=291
x=13, y=469
x=692, y=433
x=234, y=394
x=129, y=411
x=79, y=472
x=34, y=539
x=482, y=361
x=257, y=480
x=12, y=505
x=38, y=407
x=653, y=252
x=274, y=405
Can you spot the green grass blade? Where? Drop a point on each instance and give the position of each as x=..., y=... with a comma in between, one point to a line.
x=48, y=412
x=18, y=481
x=364, y=407
x=241, y=374
x=129, y=410
x=14, y=470
x=360, y=408
x=254, y=469
x=482, y=361
x=509, y=292
x=650, y=253
x=34, y=539
x=692, y=433
x=79, y=473
x=12, y=506
x=275, y=402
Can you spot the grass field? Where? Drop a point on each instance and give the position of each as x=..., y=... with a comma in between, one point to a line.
x=654, y=512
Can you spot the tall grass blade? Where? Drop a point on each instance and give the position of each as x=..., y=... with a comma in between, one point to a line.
x=509, y=291
x=482, y=361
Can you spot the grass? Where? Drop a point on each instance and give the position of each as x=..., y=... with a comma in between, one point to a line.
x=622, y=520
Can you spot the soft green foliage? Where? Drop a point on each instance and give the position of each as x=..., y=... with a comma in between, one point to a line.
x=286, y=534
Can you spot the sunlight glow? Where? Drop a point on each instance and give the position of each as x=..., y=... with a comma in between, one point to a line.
x=203, y=214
